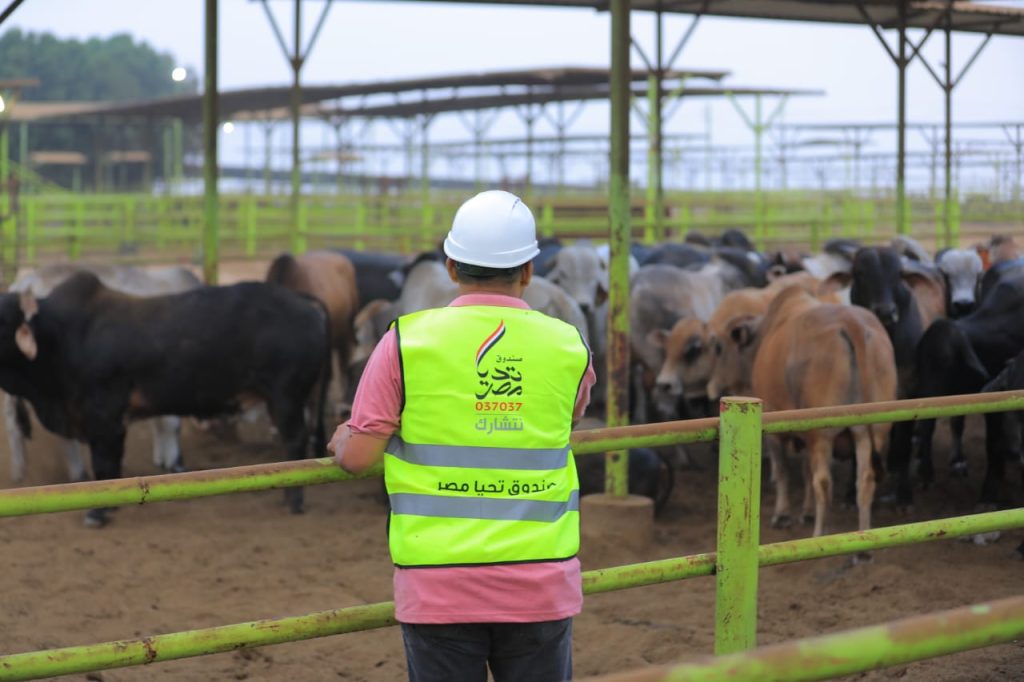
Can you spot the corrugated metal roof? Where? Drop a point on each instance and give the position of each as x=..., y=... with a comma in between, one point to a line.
x=972, y=17
x=232, y=103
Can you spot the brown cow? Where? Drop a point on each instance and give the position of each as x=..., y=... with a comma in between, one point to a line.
x=329, y=277
x=689, y=345
x=804, y=353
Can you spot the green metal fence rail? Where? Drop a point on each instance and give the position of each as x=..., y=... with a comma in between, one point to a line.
x=735, y=564
x=137, y=227
x=845, y=653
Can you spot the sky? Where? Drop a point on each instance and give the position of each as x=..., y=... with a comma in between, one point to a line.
x=367, y=41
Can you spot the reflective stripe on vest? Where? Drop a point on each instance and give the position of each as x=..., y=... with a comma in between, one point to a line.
x=480, y=471
x=469, y=457
x=484, y=508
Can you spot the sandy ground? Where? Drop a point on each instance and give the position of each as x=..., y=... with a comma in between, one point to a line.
x=202, y=563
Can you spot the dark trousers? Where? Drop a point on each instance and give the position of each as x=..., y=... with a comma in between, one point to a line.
x=536, y=652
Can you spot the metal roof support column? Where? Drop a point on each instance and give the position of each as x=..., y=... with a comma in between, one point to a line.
x=902, y=226
x=210, y=127
x=426, y=211
x=168, y=152
x=655, y=208
x=616, y=464
x=177, y=153
x=947, y=91
x=295, y=240
x=268, y=135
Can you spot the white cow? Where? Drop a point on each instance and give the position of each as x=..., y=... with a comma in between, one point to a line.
x=131, y=280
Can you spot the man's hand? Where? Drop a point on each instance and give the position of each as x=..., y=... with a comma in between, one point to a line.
x=336, y=446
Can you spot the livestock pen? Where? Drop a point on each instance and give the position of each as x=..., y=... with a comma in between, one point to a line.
x=734, y=564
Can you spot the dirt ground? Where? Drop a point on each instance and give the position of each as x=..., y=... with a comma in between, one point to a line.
x=202, y=563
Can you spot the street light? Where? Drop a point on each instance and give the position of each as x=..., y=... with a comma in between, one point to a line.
x=229, y=127
x=179, y=74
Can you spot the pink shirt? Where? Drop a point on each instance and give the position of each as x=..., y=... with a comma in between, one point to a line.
x=505, y=593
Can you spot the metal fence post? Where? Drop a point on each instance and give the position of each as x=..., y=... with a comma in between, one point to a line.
x=739, y=506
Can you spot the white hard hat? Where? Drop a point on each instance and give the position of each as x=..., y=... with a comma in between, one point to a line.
x=494, y=229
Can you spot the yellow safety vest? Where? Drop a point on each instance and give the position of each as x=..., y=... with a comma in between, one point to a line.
x=480, y=471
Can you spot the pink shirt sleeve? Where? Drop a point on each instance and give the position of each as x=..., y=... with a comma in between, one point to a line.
x=583, y=396
x=377, y=406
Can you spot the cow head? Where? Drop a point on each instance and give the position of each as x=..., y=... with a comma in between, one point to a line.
x=877, y=284
x=581, y=273
x=16, y=313
x=961, y=268
x=734, y=357
x=689, y=359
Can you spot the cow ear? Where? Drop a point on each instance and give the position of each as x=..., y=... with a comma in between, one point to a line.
x=836, y=281
x=774, y=272
x=29, y=305
x=742, y=332
x=657, y=337
x=26, y=341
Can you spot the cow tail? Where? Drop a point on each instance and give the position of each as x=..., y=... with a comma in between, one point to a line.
x=320, y=435
x=855, y=339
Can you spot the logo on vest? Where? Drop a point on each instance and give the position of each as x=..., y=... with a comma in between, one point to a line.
x=499, y=375
x=499, y=384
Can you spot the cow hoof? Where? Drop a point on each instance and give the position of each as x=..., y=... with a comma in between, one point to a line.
x=95, y=518
x=782, y=521
x=862, y=558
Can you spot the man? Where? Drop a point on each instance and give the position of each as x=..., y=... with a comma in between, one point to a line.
x=471, y=408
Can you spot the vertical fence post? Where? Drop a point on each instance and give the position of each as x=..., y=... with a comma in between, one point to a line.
x=739, y=507
x=30, y=230
x=250, y=225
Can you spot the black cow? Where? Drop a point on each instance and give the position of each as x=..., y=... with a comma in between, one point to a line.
x=883, y=283
x=88, y=359
x=650, y=475
x=378, y=275
x=961, y=356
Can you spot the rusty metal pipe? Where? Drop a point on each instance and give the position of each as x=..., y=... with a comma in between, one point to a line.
x=853, y=651
x=36, y=664
x=147, y=489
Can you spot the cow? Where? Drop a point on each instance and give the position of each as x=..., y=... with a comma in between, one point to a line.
x=961, y=356
x=378, y=275
x=650, y=475
x=131, y=280
x=962, y=271
x=89, y=359
x=660, y=296
x=907, y=297
x=804, y=353
x=545, y=259
x=689, y=347
x=329, y=277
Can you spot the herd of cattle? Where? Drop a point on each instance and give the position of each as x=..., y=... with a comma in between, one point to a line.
x=92, y=347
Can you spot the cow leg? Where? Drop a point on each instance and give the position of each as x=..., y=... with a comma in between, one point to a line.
x=107, y=450
x=166, y=443
x=865, y=477
x=287, y=416
x=957, y=463
x=779, y=474
x=899, y=459
x=995, y=450
x=15, y=438
x=925, y=468
x=75, y=461
x=819, y=454
x=807, y=511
